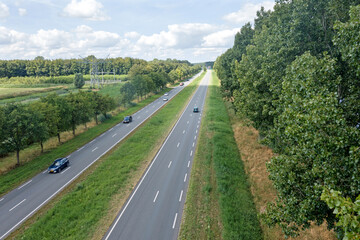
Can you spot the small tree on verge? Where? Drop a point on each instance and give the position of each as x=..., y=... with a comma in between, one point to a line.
x=79, y=80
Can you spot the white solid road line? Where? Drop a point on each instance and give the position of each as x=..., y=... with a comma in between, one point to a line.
x=80, y=149
x=180, y=195
x=25, y=184
x=156, y=196
x=17, y=205
x=174, y=221
x=65, y=170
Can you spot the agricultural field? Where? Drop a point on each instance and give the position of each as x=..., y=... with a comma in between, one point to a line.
x=26, y=92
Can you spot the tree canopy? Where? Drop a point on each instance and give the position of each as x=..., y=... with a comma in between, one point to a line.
x=295, y=76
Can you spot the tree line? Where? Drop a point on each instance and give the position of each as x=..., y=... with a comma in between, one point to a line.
x=295, y=75
x=146, y=78
x=24, y=124
x=40, y=67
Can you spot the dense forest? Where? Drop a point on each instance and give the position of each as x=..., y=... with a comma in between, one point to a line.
x=295, y=76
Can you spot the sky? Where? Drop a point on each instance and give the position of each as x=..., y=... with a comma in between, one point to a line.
x=193, y=30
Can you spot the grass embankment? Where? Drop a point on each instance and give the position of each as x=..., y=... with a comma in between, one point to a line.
x=93, y=201
x=219, y=203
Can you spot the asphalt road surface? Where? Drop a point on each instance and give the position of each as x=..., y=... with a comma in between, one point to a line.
x=154, y=209
x=19, y=204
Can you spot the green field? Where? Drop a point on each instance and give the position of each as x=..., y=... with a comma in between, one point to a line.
x=79, y=213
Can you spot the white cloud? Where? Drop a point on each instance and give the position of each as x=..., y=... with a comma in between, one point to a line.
x=222, y=38
x=50, y=39
x=8, y=36
x=132, y=35
x=87, y=9
x=200, y=41
x=178, y=36
x=4, y=10
x=22, y=11
x=248, y=12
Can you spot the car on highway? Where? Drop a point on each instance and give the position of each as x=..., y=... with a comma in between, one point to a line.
x=127, y=119
x=166, y=94
x=165, y=99
x=58, y=165
x=196, y=109
x=181, y=84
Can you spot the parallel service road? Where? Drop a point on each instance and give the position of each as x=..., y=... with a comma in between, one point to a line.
x=19, y=204
x=154, y=209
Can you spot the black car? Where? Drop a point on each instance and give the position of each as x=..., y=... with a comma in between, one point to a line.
x=58, y=165
x=196, y=109
x=127, y=119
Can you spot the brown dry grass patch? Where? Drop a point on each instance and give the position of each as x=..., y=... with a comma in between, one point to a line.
x=255, y=156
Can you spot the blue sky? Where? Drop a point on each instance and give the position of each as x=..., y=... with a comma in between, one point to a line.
x=193, y=30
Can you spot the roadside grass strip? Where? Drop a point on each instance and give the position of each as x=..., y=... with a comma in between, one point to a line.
x=79, y=213
x=218, y=183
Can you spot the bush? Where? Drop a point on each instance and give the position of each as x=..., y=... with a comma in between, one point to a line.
x=79, y=80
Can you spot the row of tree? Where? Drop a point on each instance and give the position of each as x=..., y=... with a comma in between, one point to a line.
x=296, y=76
x=24, y=124
x=145, y=79
x=63, y=67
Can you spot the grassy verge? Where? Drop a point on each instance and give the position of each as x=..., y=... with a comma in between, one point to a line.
x=93, y=201
x=218, y=185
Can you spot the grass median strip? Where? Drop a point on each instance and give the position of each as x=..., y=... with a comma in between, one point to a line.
x=219, y=203
x=92, y=202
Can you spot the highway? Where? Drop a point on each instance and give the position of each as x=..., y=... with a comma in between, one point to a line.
x=154, y=209
x=21, y=203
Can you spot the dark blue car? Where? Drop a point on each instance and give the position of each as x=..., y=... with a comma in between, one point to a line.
x=127, y=119
x=58, y=165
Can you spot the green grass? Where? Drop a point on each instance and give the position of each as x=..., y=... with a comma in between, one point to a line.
x=113, y=90
x=221, y=170
x=75, y=215
x=26, y=96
